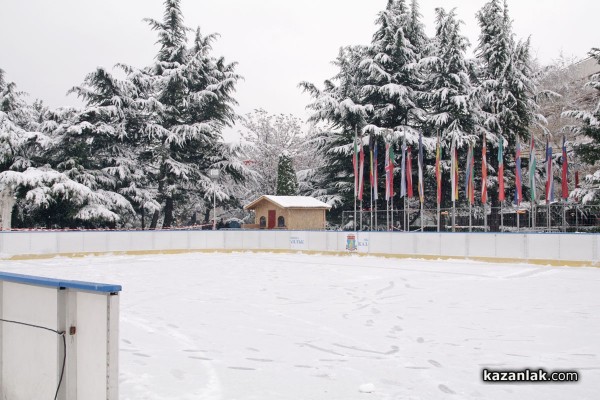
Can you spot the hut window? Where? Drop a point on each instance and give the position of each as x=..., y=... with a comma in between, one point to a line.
x=281, y=222
x=263, y=222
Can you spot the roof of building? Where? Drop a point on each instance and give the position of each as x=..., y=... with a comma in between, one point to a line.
x=290, y=202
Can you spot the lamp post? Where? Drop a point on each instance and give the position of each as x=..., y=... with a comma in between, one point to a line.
x=214, y=175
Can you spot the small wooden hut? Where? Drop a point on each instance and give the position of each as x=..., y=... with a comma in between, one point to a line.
x=288, y=212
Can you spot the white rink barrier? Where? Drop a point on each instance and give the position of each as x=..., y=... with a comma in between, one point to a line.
x=58, y=339
x=550, y=248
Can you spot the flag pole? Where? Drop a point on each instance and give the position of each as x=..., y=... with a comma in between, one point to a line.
x=404, y=216
x=548, y=219
x=408, y=215
x=360, y=213
x=453, y=214
x=371, y=200
x=392, y=212
x=387, y=214
x=422, y=217
x=470, y=216
x=438, y=216
x=485, y=217
x=564, y=216
x=502, y=216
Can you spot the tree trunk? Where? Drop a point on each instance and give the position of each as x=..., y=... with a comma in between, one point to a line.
x=168, y=213
x=154, y=219
x=143, y=218
x=7, y=202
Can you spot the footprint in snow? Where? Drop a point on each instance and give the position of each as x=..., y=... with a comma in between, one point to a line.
x=434, y=363
x=446, y=389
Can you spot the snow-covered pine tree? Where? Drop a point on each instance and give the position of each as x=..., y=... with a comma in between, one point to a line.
x=447, y=93
x=392, y=88
x=46, y=197
x=588, y=147
x=338, y=116
x=287, y=183
x=194, y=90
x=99, y=145
x=391, y=83
x=505, y=88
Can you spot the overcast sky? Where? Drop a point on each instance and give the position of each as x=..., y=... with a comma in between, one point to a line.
x=48, y=46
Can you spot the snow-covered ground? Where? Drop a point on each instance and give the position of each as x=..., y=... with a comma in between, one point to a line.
x=279, y=326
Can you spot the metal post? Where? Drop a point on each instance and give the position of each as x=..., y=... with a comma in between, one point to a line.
x=408, y=215
x=533, y=215
x=453, y=215
x=214, y=207
x=371, y=208
x=518, y=220
x=422, y=230
x=387, y=215
x=502, y=216
x=485, y=217
x=404, y=216
x=214, y=175
x=548, y=217
x=376, y=228
x=438, y=217
x=564, y=217
x=392, y=212
x=470, y=217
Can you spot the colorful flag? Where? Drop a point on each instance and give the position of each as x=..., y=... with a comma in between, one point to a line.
x=454, y=170
x=409, y=182
x=469, y=178
x=484, y=171
x=532, y=167
x=501, y=169
x=420, y=166
x=361, y=178
x=549, y=175
x=438, y=170
x=518, y=176
x=375, y=173
x=387, y=171
x=403, y=173
x=355, y=166
x=392, y=164
x=565, y=171
x=371, y=161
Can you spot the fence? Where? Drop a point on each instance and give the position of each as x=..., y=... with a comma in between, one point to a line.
x=546, y=248
x=58, y=339
x=563, y=218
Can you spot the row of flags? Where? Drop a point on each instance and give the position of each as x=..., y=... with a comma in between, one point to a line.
x=406, y=185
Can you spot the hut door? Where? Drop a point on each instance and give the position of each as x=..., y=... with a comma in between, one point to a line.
x=272, y=219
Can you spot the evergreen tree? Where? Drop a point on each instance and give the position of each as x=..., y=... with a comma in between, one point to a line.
x=338, y=108
x=194, y=93
x=390, y=90
x=505, y=88
x=447, y=93
x=287, y=184
x=588, y=150
x=45, y=196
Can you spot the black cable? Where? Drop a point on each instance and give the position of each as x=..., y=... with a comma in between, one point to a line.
x=59, y=333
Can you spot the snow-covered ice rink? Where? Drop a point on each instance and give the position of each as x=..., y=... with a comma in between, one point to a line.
x=292, y=326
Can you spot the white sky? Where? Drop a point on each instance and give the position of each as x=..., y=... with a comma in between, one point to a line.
x=48, y=46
